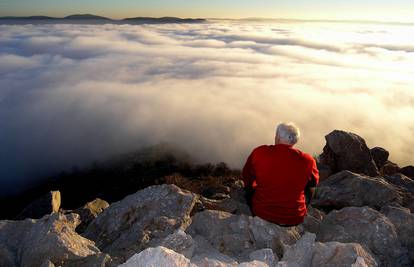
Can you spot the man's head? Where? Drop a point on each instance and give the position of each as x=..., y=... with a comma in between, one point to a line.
x=287, y=133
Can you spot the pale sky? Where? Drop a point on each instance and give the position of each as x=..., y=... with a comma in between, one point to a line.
x=379, y=10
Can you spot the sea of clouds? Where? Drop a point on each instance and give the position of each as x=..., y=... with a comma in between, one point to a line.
x=72, y=94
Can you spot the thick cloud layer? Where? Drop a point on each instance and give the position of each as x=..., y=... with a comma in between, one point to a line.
x=71, y=94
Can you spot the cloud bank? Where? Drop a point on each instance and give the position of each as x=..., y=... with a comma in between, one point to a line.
x=72, y=94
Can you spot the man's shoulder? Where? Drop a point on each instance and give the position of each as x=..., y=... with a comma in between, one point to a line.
x=305, y=156
x=261, y=148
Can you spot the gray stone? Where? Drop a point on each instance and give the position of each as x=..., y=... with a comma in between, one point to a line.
x=346, y=189
x=46, y=204
x=253, y=264
x=95, y=260
x=206, y=255
x=157, y=257
x=389, y=168
x=368, y=227
x=34, y=242
x=180, y=242
x=265, y=255
x=306, y=253
x=347, y=151
x=89, y=212
x=403, y=221
x=312, y=220
x=401, y=180
x=380, y=156
x=239, y=235
x=227, y=205
x=141, y=220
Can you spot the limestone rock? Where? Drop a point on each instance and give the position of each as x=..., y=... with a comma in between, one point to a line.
x=46, y=204
x=157, y=257
x=346, y=189
x=380, y=156
x=141, y=220
x=239, y=235
x=347, y=151
x=368, y=227
x=401, y=180
x=312, y=220
x=34, y=242
x=403, y=221
x=265, y=255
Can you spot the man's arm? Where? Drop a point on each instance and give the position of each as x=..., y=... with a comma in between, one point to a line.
x=248, y=174
x=313, y=182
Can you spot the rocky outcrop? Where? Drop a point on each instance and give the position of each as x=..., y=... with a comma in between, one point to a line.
x=239, y=235
x=89, y=212
x=141, y=220
x=367, y=227
x=47, y=204
x=34, y=242
x=347, y=151
x=346, y=189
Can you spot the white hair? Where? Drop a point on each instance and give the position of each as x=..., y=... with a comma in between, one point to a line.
x=287, y=133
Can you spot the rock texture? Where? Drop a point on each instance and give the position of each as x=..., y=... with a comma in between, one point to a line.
x=367, y=227
x=47, y=204
x=348, y=151
x=408, y=171
x=141, y=220
x=157, y=257
x=34, y=242
x=307, y=252
x=239, y=235
x=346, y=189
x=89, y=212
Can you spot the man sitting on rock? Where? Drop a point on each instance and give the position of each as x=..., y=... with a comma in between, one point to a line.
x=277, y=177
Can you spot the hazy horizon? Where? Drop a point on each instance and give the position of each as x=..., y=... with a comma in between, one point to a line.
x=365, y=10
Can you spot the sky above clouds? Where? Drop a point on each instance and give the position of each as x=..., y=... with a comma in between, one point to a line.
x=72, y=94
x=381, y=10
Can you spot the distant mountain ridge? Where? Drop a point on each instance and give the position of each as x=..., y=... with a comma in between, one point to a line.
x=94, y=19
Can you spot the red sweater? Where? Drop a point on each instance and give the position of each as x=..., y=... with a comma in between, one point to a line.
x=279, y=174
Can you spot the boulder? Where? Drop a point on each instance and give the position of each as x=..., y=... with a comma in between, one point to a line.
x=408, y=171
x=89, y=212
x=346, y=189
x=157, y=257
x=403, y=221
x=380, y=156
x=180, y=242
x=34, y=242
x=307, y=252
x=402, y=181
x=206, y=255
x=46, y=204
x=239, y=235
x=141, y=220
x=313, y=220
x=347, y=151
x=368, y=227
x=265, y=255
x=389, y=168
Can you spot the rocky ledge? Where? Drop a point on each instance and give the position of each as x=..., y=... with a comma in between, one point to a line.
x=361, y=216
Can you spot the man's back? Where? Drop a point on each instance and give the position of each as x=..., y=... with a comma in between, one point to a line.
x=280, y=174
